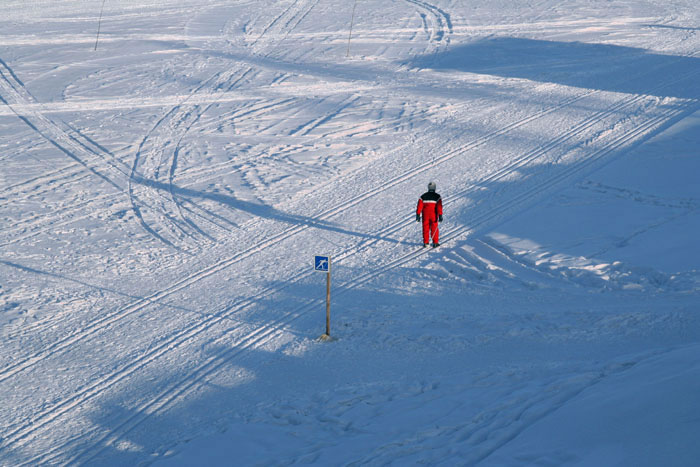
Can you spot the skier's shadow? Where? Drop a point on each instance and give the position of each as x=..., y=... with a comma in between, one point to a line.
x=260, y=210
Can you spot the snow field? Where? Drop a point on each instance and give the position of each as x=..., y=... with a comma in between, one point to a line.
x=162, y=198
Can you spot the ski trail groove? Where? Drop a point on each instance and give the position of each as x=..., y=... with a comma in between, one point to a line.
x=267, y=332
x=283, y=24
x=175, y=229
x=138, y=305
x=39, y=224
x=641, y=131
x=167, y=129
x=70, y=142
x=96, y=326
x=441, y=20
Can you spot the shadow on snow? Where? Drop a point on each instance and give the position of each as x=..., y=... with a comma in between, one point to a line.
x=592, y=66
x=257, y=210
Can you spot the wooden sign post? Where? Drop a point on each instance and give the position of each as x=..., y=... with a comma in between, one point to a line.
x=328, y=302
x=323, y=264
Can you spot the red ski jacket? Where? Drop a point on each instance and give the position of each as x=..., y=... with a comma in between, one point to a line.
x=429, y=206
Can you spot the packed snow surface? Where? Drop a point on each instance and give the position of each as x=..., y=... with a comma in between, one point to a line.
x=165, y=185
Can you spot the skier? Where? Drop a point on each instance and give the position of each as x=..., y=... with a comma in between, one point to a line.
x=430, y=206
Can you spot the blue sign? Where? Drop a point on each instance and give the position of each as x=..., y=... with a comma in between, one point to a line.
x=322, y=263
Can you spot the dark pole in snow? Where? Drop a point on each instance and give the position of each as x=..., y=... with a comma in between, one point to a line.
x=328, y=300
x=99, y=23
x=323, y=264
x=352, y=20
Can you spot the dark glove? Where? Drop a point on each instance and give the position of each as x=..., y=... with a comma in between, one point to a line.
x=417, y=217
x=440, y=218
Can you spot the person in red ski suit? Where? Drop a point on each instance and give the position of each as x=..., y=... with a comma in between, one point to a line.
x=430, y=208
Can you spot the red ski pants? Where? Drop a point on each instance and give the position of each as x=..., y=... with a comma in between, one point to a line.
x=430, y=228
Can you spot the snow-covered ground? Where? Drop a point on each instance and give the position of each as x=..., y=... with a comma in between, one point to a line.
x=163, y=191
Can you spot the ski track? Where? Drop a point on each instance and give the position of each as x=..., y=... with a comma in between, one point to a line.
x=89, y=156
x=291, y=18
x=197, y=175
x=148, y=202
x=616, y=108
x=139, y=181
x=354, y=201
x=66, y=343
x=261, y=335
x=624, y=104
x=442, y=23
x=75, y=172
x=496, y=425
x=173, y=227
x=75, y=145
x=305, y=129
x=282, y=25
x=489, y=217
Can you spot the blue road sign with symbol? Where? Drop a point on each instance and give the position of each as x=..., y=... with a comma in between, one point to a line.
x=322, y=263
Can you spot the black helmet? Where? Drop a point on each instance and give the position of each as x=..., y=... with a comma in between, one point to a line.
x=431, y=186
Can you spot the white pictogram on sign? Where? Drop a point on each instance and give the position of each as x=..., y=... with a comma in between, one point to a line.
x=321, y=263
